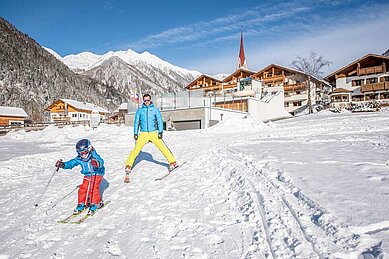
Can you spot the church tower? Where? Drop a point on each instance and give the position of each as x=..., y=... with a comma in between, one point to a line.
x=242, y=63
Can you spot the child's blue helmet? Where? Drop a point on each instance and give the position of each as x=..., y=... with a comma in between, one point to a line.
x=84, y=148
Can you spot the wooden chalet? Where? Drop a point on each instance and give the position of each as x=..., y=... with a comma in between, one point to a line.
x=12, y=116
x=295, y=86
x=119, y=114
x=367, y=79
x=230, y=83
x=67, y=111
x=206, y=83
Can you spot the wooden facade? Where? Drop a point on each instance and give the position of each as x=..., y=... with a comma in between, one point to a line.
x=232, y=80
x=66, y=111
x=237, y=105
x=366, y=79
x=272, y=75
x=9, y=121
x=204, y=82
x=370, y=64
x=12, y=116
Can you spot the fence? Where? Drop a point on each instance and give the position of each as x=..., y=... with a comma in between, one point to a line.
x=189, y=99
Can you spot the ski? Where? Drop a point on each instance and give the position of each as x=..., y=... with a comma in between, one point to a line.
x=167, y=174
x=70, y=217
x=85, y=217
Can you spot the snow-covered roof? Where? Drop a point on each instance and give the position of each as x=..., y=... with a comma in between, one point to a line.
x=12, y=112
x=123, y=106
x=84, y=105
x=292, y=70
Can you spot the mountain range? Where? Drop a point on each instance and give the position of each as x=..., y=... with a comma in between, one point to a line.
x=32, y=76
x=130, y=72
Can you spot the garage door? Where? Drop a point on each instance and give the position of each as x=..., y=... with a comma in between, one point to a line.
x=187, y=125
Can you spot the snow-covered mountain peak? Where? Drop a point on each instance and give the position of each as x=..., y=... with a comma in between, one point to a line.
x=81, y=61
x=52, y=52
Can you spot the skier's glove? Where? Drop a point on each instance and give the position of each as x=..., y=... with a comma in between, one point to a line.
x=60, y=164
x=136, y=137
x=160, y=135
x=95, y=163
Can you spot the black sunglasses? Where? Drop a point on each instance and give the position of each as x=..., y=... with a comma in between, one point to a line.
x=147, y=100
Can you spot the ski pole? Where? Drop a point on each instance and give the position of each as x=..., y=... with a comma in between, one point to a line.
x=93, y=187
x=47, y=186
x=64, y=197
x=88, y=190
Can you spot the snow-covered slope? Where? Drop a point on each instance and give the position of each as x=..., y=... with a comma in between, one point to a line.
x=248, y=190
x=52, y=52
x=220, y=76
x=126, y=78
x=163, y=74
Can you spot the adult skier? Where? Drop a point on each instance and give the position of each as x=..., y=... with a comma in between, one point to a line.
x=149, y=119
x=92, y=167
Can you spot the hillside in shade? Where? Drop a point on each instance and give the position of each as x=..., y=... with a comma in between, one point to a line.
x=32, y=78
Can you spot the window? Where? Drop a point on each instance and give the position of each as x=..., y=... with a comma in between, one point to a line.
x=372, y=80
x=74, y=115
x=286, y=104
x=356, y=82
x=297, y=103
x=298, y=92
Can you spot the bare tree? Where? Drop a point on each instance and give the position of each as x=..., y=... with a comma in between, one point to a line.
x=312, y=67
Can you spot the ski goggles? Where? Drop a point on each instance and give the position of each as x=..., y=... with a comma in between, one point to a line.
x=84, y=153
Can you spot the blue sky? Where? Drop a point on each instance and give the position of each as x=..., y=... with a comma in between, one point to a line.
x=204, y=35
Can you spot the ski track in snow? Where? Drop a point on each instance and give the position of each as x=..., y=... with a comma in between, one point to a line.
x=225, y=202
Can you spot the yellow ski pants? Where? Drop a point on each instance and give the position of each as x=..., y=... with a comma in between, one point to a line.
x=145, y=137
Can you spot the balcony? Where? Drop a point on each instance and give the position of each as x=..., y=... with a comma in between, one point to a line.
x=61, y=119
x=367, y=88
x=213, y=88
x=294, y=87
x=273, y=78
x=230, y=85
x=375, y=87
x=370, y=70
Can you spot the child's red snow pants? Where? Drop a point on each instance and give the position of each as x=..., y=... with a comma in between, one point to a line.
x=87, y=190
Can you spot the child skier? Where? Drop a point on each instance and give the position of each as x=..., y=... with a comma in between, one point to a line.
x=92, y=166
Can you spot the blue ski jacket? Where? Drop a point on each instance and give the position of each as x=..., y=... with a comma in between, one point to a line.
x=86, y=167
x=148, y=119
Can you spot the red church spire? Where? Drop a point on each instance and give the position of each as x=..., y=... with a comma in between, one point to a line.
x=242, y=58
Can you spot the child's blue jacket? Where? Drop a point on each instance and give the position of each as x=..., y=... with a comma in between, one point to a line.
x=86, y=167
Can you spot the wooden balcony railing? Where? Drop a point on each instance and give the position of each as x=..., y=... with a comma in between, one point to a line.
x=375, y=87
x=273, y=78
x=294, y=87
x=213, y=88
x=370, y=70
x=61, y=119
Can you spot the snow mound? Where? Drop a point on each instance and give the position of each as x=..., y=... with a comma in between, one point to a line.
x=238, y=125
x=67, y=133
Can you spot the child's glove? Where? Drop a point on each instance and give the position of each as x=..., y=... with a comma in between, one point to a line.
x=95, y=163
x=60, y=164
